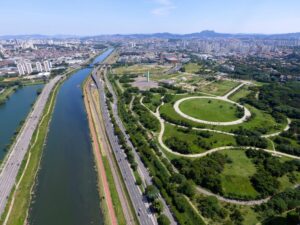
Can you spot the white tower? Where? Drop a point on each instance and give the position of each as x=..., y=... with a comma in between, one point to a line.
x=47, y=66
x=21, y=69
x=28, y=67
x=39, y=67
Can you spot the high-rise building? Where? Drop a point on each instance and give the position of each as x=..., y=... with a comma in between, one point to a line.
x=47, y=66
x=28, y=67
x=39, y=67
x=21, y=69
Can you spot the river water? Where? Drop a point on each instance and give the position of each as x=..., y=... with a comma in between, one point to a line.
x=66, y=191
x=13, y=112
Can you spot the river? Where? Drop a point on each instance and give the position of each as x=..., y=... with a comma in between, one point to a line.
x=13, y=111
x=66, y=191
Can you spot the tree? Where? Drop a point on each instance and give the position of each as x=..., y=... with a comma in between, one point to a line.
x=151, y=193
x=163, y=220
x=293, y=217
x=237, y=216
x=187, y=188
x=264, y=183
x=178, y=178
x=157, y=206
x=179, y=202
x=209, y=207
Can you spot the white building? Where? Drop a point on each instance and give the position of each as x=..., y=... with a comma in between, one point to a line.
x=39, y=67
x=47, y=66
x=28, y=67
x=21, y=69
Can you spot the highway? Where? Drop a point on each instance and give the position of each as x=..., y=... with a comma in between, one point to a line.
x=106, y=150
x=17, y=153
x=143, y=170
x=139, y=201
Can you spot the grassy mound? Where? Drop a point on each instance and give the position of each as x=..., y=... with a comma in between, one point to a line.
x=210, y=109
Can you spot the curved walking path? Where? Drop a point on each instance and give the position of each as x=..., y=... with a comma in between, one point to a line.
x=225, y=98
x=279, y=132
x=233, y=201
x=199, y=155
x=246, y=115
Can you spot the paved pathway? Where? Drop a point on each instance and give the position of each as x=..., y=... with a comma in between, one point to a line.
x=199, y=155
x=232, y=201
x=246, y=115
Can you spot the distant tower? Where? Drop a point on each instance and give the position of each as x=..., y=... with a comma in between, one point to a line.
x=148, y=76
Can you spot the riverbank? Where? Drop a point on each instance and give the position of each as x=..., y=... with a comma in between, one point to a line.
x=16, y=209
x=6, y=93
x=103, y=186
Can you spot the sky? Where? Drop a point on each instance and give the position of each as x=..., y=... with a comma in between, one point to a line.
x=96, y=17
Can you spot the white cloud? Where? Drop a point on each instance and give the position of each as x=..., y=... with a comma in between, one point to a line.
x=164, y=7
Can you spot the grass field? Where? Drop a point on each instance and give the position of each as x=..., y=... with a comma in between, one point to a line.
x=236, y=175
x=214, y=141
x=220, y=87
x=241, y=93
x=140, y=69
x=192, y=67
x=285, y=182
x=259, y=120
x=209, y=109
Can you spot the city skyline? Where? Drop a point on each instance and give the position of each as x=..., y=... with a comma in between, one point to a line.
x=148, y=16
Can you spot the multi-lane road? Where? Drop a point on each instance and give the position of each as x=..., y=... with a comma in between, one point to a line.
x=142, y=169
x=141, y=205
x=137, y=198
x=17, y=153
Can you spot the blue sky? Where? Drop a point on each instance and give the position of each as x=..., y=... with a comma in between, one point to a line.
x=92, y=17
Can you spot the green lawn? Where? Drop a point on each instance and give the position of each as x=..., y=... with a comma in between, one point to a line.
x=236, y=175
x=192, y=67
x=214, y=141
x=241, y=93
x=220, y=87
x=140, y=69
x=259, y=120
x=285, y=182
x=165, y=76
x=209, y=109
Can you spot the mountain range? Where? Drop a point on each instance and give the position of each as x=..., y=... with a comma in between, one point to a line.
x=207, y=34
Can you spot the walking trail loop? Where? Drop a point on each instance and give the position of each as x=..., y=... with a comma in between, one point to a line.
x=199, y=155
x=247, y=113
